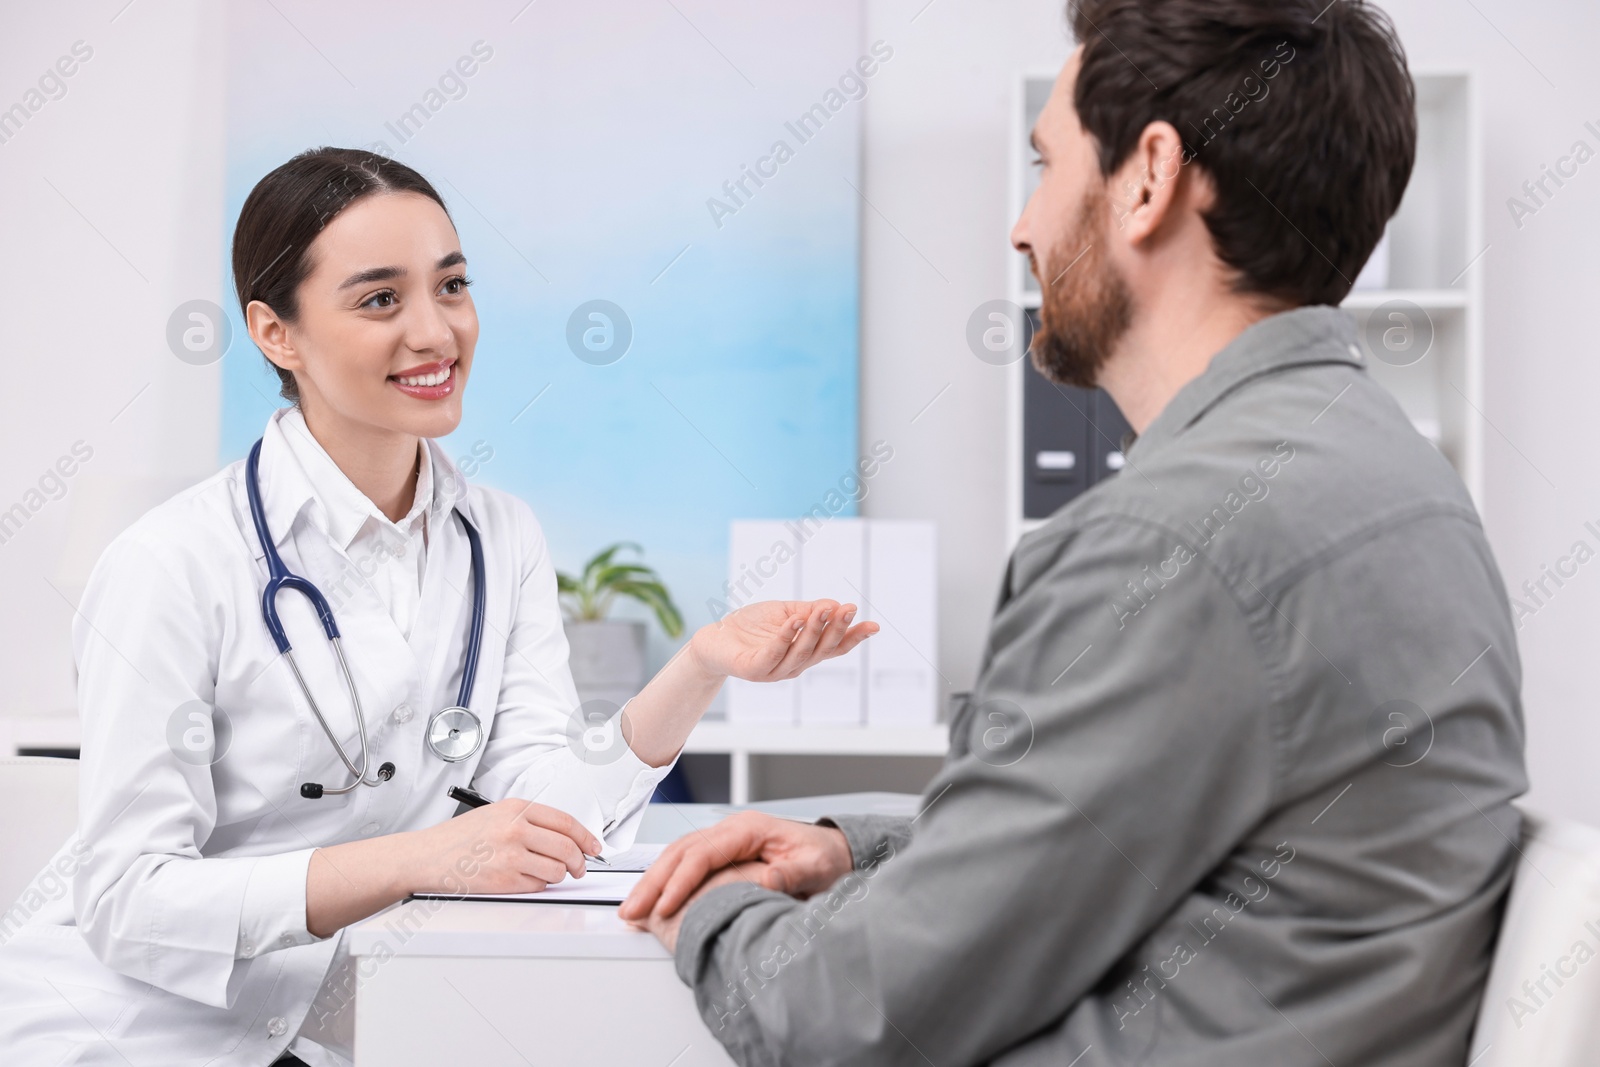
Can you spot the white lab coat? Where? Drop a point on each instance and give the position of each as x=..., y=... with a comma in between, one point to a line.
x=184, y=937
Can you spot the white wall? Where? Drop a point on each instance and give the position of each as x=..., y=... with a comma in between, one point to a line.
x=135, y=147
x=935, y=245
x=1539, y=84
x=112, y=203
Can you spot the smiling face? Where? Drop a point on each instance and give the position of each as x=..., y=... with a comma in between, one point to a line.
x=385, y=327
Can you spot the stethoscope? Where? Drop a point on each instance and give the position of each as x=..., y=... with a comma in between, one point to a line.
x=454, y=733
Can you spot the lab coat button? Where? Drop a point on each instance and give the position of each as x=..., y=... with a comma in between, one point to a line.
x=403, y=713
x=287, y=940
x=276, y=1026
x=400, y=550
x=248, y=948
x=369, y=829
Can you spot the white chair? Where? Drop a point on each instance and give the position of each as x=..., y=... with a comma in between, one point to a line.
x=1542, y=1004
x=40, y=799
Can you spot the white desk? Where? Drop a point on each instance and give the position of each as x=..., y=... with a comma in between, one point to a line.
x=488, y=983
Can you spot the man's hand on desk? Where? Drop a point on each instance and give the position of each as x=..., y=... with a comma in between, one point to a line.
x=781, y=854
x=665, y=927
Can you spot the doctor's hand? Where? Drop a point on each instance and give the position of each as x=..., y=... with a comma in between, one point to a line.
x=777, y=639
x=765, y=642
x=781, y=854
x=511, y=846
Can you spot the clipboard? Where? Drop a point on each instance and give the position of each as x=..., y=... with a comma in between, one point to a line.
x=608, y=888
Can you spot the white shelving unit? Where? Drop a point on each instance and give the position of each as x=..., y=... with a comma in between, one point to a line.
x=1031, y=92
x=1435, y=278
x=1435, y=249
x=740, y=743
x=59, y=730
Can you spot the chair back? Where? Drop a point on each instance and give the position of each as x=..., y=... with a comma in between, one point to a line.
x=1542, y=1003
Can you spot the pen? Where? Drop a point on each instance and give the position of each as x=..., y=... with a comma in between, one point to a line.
x=474, y=799
x=468, y=796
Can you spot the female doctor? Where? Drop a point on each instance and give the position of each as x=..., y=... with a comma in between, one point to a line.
x=250, y=784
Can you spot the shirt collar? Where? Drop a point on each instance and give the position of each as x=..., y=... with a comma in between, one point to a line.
x=1317, y=334
x=299, y=477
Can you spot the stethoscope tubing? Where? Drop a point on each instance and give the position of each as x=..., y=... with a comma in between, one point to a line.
x=279, y=577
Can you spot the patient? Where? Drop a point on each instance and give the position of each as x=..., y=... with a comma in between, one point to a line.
x=1233, y=785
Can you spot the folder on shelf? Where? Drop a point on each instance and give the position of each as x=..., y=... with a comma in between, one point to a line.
x=763, y=564
x=833, y=566
x=888, y=569
x=902, y=593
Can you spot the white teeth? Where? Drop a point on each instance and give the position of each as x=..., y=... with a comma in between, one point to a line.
x=436, y=378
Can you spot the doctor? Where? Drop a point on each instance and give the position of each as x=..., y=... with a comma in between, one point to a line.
x=242, y=803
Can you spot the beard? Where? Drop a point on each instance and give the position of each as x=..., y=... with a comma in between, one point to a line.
x=1086, y=305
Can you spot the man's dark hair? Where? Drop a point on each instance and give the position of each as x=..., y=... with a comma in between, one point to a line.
x=286, y=211
x=1301, y=111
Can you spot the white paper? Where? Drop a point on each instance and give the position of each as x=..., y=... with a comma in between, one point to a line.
x=634, y=859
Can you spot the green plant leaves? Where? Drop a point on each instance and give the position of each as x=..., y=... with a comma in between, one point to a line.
x=588, y=598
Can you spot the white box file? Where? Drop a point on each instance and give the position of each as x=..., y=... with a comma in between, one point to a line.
x=902, y=589
x=888, y=568
x=763, y=564
x=833, y=566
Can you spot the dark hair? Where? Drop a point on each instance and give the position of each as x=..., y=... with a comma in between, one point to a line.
x=1302, y=112
x=286, y=211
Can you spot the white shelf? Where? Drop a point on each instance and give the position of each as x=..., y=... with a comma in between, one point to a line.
x=739, y=742
x=1426, y=299
x=713, y=736
x=57, y=729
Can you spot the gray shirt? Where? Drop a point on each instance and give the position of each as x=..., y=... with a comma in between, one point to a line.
x=1233, y=785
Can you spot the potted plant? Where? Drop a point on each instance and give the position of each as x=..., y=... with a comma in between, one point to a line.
x=608, y=655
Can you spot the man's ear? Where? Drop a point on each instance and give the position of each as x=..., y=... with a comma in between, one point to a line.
x=1148, y=182
x=271, y=335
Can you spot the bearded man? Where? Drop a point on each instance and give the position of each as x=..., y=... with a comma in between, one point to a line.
x=1234, y=782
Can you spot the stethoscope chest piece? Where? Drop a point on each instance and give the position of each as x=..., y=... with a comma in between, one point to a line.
x=454, y=734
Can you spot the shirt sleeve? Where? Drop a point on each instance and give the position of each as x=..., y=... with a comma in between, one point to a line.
x=544, y=744
x=147, y=900
x=868, y=835
x=1107, y=761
